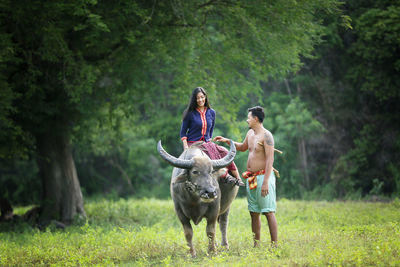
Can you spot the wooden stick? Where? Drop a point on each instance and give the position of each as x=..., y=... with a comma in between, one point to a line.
x=276, y=150
x=276, y=172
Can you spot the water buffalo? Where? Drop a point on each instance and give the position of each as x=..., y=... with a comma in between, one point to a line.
x=198, y=193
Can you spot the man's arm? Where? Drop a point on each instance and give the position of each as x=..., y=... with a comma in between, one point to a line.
x=239, y=146
x=268, y=142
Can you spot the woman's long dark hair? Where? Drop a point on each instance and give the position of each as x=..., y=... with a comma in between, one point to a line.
x=193, y=101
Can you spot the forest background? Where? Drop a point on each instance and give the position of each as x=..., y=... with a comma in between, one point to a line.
x=89, y=87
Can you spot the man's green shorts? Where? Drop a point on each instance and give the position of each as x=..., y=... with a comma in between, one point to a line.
x=257, y=203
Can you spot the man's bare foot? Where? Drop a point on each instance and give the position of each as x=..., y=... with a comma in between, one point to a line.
x=256, y=243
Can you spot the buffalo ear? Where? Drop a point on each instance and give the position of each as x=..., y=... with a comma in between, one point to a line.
x=181, y=178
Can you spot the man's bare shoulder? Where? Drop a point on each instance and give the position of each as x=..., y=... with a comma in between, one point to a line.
x=249, y=133
x=268, y=138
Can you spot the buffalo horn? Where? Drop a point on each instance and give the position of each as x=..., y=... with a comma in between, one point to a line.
x=176, y=162
x=225, y=161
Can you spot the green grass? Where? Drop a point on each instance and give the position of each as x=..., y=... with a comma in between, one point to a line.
x=146, y=232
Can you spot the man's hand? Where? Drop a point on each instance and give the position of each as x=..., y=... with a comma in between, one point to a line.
x=220, y=139
x=264, y=189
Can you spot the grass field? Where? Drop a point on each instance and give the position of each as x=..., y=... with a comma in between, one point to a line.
x=146, y=232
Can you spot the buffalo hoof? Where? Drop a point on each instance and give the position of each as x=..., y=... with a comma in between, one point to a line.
x=225, y=246
x=212, y=252
x=212, y=249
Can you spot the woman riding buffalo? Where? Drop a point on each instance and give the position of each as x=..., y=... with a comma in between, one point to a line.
x=198, y=125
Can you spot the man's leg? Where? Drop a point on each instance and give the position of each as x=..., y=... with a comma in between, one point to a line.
x=256, y=227
x=273, y=227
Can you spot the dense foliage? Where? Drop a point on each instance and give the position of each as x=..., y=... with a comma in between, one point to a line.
x=353, y=90
x=114, y=78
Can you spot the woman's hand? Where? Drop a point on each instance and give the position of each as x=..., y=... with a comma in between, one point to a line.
x=185, y=144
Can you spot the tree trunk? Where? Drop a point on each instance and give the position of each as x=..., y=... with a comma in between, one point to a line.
x=62, y=196
x=288, y=88
x=304, y=165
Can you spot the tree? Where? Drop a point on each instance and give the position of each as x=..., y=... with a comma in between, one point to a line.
x=70, y=69
x=352, y=86
x=56, y=60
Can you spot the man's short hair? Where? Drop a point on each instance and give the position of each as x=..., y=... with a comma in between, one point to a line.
x=258, y=112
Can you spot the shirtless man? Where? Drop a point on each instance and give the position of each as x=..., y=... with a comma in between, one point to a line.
x=260, y=183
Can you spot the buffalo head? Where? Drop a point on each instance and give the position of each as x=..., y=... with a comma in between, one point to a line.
x=200, y=172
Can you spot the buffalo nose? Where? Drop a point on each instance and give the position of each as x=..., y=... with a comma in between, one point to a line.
x=212, y=194
x=209, y=194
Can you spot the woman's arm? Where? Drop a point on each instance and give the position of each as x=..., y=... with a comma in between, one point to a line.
x=183, y=132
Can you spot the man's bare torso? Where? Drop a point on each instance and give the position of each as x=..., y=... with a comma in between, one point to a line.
x=257, y=158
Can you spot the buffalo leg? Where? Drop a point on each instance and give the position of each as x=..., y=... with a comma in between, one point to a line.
x=188, y=230
x=210, y=229
x=223, y=226
x=189, y=235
